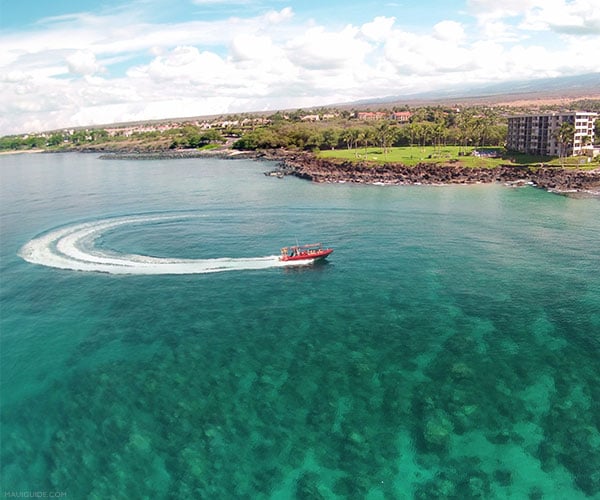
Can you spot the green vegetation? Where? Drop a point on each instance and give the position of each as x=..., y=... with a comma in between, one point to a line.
x=15, y=143
x=185, y=137
x=192, y=137
x=412, y=155
x=431, y=126
x=564, y=136
x=483, y=157
x=433, y=134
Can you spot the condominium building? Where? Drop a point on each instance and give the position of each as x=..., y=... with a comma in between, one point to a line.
x=538, y=134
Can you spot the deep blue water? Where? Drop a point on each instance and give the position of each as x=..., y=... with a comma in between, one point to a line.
x=449, y=348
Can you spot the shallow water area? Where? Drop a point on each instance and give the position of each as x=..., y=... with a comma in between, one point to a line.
x=448, y=348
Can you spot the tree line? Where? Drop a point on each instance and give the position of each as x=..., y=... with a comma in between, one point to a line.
x=427, y=127
x=182, y=137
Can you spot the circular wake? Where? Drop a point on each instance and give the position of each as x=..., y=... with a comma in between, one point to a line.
x=73, y=248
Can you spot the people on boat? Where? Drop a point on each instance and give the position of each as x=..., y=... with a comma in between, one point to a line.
x=297, y=252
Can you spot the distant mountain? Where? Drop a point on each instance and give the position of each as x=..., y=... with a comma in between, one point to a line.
x=564, y=86
x=522, y=92
x=586, y=83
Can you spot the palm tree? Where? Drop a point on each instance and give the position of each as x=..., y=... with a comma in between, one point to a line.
x=565, y=136
x=331, y=137
x=586, y=140
x=351, y=136
x=465, y=125
x=361, y=137
x=439, y=135
x=385, y=135
x=366, y=136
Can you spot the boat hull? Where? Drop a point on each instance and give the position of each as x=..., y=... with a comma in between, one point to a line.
x=307, y=256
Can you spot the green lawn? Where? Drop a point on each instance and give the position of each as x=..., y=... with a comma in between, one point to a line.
x=412, y=155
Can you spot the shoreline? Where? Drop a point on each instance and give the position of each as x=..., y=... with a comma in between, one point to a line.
x=307, y=166
x=552, y=179
x=22, y=152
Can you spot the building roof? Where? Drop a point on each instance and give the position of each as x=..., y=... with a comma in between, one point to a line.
x=556, y=113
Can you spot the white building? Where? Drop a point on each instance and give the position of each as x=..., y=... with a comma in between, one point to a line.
x=537, y=134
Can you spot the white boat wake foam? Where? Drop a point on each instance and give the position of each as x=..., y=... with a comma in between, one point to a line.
x=73, y=248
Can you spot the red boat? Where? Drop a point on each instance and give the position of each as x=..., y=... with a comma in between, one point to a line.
x=312, y=252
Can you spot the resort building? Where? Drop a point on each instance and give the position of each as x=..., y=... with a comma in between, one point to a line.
x=538, y=134
x=401, y=116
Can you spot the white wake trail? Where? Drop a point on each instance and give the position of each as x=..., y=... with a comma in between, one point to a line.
x=73, y=248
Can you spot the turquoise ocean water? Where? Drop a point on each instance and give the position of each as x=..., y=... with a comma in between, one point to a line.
x=450, y=348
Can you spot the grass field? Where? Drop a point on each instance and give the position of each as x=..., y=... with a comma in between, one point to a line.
x=412, y=155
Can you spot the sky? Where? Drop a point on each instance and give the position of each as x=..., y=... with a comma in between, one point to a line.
x=72, y=63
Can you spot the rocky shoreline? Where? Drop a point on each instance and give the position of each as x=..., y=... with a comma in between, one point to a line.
x=552, y=179
x=176, y=154
x=309, y=167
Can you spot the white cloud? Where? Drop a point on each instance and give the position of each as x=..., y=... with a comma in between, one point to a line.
x=449, y=31
x=15, y=76
x=83, y=62
x=83, y=69
x=428, y=55
x=184, y=65
x=379, y=29
x=277, y=17
x=498, y=30
x=493, y=9
x=576, y=17
x=249, y=47
x=321, y=49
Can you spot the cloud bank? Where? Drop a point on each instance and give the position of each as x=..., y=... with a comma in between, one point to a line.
x=88, y=69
